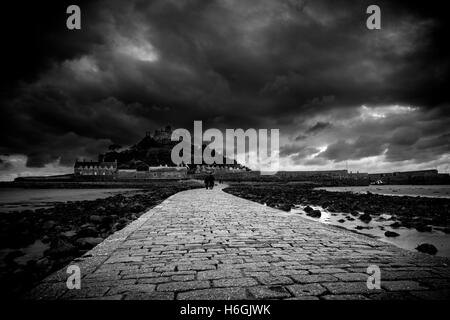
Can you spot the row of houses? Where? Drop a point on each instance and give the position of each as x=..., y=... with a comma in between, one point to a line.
x=95, y=170
x=220, y=168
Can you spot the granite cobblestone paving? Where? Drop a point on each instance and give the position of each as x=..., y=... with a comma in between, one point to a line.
x=208, y=244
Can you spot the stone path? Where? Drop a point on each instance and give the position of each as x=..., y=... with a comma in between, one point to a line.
x=207, y=244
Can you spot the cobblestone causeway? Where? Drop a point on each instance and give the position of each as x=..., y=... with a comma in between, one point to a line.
x=207, y=244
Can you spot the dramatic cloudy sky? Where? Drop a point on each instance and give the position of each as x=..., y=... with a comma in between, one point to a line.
x=339, y=93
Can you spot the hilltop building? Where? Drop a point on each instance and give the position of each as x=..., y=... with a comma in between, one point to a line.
x=161, y=135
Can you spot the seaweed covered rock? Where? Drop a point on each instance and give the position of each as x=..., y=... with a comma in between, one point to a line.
x=308, y=209
x=89, y=242
x=391, y=234
x=365, y=217
x=424, y=228
x=60, y=248
x=427, y=248
x=314, y=214
x=285, y=206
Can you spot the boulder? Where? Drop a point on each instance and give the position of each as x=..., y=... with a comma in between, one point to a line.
x=341, y=220
x=285, y=207
x=395, y=225
x=424, y=228
x=119, y=225
x=61, y=248
x=106, y=220
x=48, y=224
x=46, y=239
x=427, y=248
x=137, y=208
x=362, y=227
x=314, y=214
x=69, y=234
x=391, y=234
x=44, y=265
x=308, y=209
x=88, y=242
x=95, y=218
x=365, y=217
x=100, y=209
x=87, y=232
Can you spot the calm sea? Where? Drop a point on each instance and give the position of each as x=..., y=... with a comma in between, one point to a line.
x=438, y=191
x=15, y=199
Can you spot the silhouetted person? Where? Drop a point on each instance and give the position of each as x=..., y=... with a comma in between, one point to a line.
x=206, y=181
x=211, y=181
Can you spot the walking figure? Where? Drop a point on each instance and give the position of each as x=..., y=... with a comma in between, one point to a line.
x=209, y=181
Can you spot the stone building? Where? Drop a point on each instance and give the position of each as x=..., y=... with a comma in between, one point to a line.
x=153, y=173
x=95, y=168
x=219, y=168
x=161, y=135
x=337, y=174
x=388, y=176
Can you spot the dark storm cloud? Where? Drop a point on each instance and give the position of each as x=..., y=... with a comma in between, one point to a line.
x=303, y=153
x=34, y=35
x=288, y=149
x=300, y=137
x=54, y=126
x=402, y=139
x=424, y=150
x=365, y=146
x=301, y=66
x=297, y=154
x=319, y=126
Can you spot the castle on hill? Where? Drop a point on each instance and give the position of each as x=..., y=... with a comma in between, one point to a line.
x=162, y=135
x=150, y=158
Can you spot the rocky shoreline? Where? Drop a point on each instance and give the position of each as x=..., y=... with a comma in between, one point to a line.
x=68, y=230
x=421, y=213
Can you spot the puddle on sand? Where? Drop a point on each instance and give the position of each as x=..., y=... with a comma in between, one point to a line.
x=408, y=238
